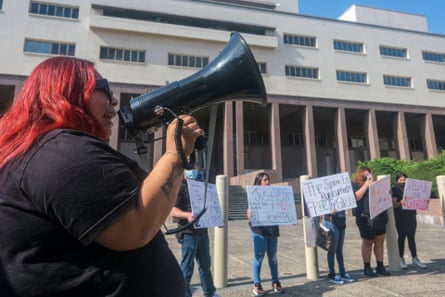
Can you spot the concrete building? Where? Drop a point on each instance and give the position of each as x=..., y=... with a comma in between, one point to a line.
x=368, y=84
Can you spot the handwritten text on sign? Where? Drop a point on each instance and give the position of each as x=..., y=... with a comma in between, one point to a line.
x=324, y=194
x=271, y=205
x=416, y=194
x=212, y=217
x=379, y=196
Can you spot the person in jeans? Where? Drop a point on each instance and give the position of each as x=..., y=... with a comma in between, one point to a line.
x=406, y=223
x=337, y=219
x=265, y=240
x=194, y=242
x=372, y=231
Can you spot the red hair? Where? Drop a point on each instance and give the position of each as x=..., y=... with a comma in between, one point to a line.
x=358, y=178
x=55, y=95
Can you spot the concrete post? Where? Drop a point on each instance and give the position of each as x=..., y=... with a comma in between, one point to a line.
x=440, y=180
x=392, y=248
x=220, y=246
x=311, y=255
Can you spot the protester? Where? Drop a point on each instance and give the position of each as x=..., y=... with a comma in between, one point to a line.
x=406, y=223
x=265, y=240
x=372, y=231
x=194, y=241
x=77, y=218
x=337, y=219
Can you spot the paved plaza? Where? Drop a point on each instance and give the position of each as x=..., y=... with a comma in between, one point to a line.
x=292, y=267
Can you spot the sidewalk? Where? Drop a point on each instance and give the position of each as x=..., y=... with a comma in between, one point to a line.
x=292, y=266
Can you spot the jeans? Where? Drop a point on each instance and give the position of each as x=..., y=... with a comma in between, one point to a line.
x=261, y=246
x=196, y=246
x=338, y=252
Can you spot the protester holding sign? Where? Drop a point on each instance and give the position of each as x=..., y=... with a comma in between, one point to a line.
x=406, y=223
x=194, y=242
x=265, y=240
x=372, y=231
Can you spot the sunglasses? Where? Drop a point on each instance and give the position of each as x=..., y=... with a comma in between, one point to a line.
x=102, y=84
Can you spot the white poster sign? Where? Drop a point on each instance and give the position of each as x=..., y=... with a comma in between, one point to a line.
x=324, y=194
x=380, y=198
x=212, y=217
x=417, y=194
x=271, y=205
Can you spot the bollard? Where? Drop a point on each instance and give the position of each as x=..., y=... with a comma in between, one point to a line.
x=392, y=248
x=440, y=180
x=310, y=252
x=220, y=246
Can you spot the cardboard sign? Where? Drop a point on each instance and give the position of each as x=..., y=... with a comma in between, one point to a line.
x=271, y=205
x=324, y=194
x=380, y=198
x=416, y=194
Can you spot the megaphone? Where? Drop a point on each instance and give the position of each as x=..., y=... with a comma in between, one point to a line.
x=233, y=74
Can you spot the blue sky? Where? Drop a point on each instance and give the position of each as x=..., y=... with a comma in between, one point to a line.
x=434, y=10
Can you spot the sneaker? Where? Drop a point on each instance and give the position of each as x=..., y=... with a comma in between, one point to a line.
x=369, y=272
x=381, y=270
x=402, y=263
x=258, y=290
x=419, y=264
x=347, y=278
x=277, y=288
x=336, y=280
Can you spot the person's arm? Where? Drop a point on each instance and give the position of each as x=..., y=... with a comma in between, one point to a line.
x=157, y=194
x=362, y=190
x=178, y=213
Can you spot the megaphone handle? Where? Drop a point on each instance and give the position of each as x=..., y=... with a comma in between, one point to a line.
x=187, y=165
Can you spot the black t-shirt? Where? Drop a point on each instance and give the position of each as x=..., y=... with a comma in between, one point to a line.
x=54, y=201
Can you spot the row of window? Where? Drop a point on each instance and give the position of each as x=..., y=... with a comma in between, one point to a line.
x=56, y=10
x=358, y=47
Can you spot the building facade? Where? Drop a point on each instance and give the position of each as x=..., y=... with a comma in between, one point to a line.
x=366, y=85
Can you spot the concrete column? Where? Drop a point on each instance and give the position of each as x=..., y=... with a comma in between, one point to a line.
x=276, y=140
x=373, y=135
x=228, y=158
x=220, y=244
x=240, y=150
x=311, y=255
x=402, y=137
x=430, y=137
x=342, y=140
x=311, y=150
x=440, y=180
x=392, y=247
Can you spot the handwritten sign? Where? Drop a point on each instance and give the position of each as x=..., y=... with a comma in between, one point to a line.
x=379, y=196
x=271, y=205
x=324, y=194
x=212, y=217
x=416, y=194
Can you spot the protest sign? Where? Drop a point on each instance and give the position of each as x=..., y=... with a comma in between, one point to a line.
x=271, y=205
x=416, y=194
x=380, y=198
x=324, y=194
x=212, y=217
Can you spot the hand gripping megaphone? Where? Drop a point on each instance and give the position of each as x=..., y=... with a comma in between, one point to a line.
x=233, y=74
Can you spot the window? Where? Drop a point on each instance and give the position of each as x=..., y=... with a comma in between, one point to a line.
x=434, y=57
x=349, y=76
x=1, y=4
x=48, y=47
x=307, y=41
x=295, y=139
x=306, y=72
x=357, y=142
x=255, y=138
x=262, y=67
x=187, y=61
x=397, y=81
x=62, y=11
x=118, y=54
x=348, y=46
x=435, y=84
x=393, y=52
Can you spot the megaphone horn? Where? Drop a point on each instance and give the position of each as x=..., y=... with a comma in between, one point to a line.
x=233, y=74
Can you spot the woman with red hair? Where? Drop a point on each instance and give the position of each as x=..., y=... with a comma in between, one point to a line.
x=77, y=218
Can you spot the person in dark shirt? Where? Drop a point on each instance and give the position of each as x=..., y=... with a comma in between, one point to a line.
x=77, y=218
x=406, y=223
x=265, y=240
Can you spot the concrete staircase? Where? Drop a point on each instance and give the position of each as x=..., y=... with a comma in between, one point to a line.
x=237, y=203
